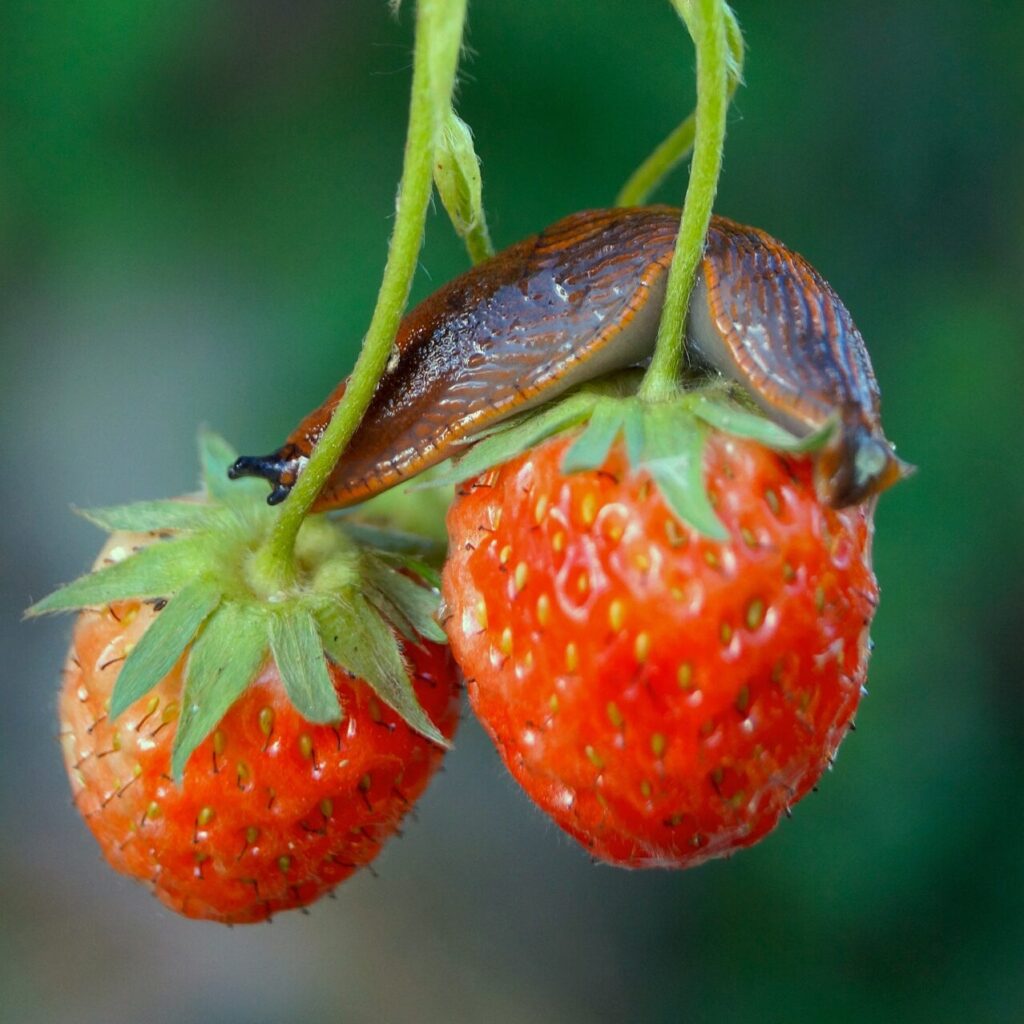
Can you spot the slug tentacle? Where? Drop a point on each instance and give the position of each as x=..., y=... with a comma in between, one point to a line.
x=281, y=468
x=581, y=299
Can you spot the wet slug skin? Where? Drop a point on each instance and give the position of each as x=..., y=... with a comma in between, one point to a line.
x=581, y=299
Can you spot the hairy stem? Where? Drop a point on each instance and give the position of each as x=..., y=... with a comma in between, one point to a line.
x=706, y=20
x=436, y=52
x=478, y=243
x=672, y=150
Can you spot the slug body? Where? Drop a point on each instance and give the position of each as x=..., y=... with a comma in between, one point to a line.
x=584, y=298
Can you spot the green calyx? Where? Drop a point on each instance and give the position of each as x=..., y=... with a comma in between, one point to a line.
x=664, y=438
x=355, y=592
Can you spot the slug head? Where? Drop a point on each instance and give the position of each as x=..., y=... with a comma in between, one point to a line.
x=281, y=468
x=856, y=465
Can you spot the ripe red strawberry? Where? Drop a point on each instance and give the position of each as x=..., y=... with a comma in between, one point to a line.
x=272, y=811
x=662, y=695
x=243, y=741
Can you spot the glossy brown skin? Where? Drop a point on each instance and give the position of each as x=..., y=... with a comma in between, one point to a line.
x=581, y=299
x=764, y=317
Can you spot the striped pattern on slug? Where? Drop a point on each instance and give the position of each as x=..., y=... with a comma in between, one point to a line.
x=784, y=328
x=764, y=317
x=579, y=300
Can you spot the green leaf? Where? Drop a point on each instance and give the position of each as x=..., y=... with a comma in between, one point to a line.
x=146, y=516
x=299, y=654
x=215, y=456
x=416, y=603
x=527, y=431
x=359, y=640
x=225, y=658
x=733, y=419
x=591, y=448
x=158, y=570
x=163, y=643
x=674, y=456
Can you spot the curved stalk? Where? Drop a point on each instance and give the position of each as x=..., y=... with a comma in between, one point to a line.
x=706, y=20
x=436, y=52
x=672, y=150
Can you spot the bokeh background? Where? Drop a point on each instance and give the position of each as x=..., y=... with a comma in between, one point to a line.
x=195, y=199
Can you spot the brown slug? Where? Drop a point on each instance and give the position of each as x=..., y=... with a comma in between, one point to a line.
x=584, y=298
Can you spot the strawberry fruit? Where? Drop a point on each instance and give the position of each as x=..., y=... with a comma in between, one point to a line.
x=662, y=694
x=273, y=811
x=242, y=752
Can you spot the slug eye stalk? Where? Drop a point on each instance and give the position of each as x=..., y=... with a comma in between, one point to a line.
x=281, y=468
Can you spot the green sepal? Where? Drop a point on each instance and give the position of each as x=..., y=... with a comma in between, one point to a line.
x=424, y=570
x=416, y=605
x=148, y=516
x=667, y=439
x=196, y=555
x=215, y=456
x=673, y=454
x=457, y=178
x=155, y=571
x=633, y=430
x=393, y=614
x=457, y=174
x=591, y=448
x=393, y=542
x=164, y=642
x=358, y=639
x=507, y=440
x=731, y=418
x=226, y=657
x=299, y=655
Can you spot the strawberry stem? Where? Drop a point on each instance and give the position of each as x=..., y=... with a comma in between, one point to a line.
x=435, y=59
x=707, y=21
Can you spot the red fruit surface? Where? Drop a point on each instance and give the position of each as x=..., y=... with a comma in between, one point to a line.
x=663, y=696
x=273, y=811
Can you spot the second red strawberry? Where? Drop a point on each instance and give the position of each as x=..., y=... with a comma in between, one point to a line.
x=663, y=696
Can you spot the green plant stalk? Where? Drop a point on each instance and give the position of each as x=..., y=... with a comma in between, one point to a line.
x=674, y=148
x=478, y=243
x=666, y=156
x=706, y=21
x=435, y=58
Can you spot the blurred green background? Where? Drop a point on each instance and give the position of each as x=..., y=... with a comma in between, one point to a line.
x=195, y=199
